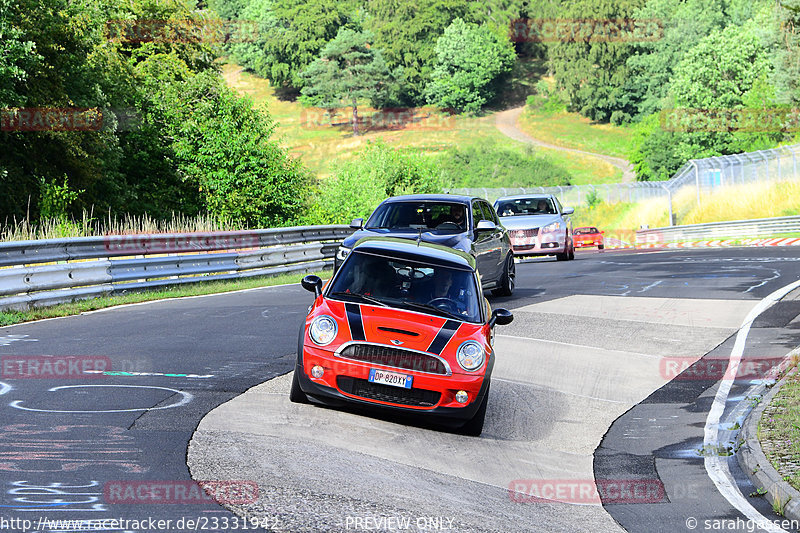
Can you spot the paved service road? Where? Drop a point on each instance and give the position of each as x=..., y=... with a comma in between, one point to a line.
x=592, y=339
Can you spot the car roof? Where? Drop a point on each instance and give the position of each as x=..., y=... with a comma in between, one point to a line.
x=422, y=252
x=431, y=198
x=524, y=196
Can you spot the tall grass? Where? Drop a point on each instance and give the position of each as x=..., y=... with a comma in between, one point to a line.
x=88, y=226
x=742, y=202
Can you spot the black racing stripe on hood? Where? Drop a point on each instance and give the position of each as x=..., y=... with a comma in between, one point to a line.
x=443, y=337
x=354, y=321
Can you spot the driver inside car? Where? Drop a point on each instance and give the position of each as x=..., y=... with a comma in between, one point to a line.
x=445, y=288
x=458, y=216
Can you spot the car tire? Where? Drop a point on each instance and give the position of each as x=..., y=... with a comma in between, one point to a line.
x=508, y=279
x=571, y=255
x=297, y=395
x=474, y=426
x=600, y=246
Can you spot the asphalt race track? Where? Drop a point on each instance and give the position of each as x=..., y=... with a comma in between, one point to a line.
x=585, y=391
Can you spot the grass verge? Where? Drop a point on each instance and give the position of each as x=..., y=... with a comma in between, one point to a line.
x=571, y=130
x=779, y=431
x=179, y=291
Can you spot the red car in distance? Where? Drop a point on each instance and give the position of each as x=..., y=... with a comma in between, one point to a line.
x=588, y=236
x=402, y=326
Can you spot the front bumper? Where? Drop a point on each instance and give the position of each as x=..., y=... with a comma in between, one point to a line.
x=588, y=243
x=542, y=244
x=328, y=389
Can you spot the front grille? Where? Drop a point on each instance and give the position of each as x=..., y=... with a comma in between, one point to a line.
x=394, y=357
x=386, y=393
x=525, y=233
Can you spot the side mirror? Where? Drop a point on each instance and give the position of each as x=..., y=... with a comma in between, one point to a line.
x=568, y=211
x=357, y=223
x=313, y=284
x=603, y=232
x=486, y=225
x=501, y=317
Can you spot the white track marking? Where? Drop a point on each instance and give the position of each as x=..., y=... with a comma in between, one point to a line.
x=6, y=340
x=186, y=398
x=716, y=466
x=4, y=388
x=587, y=346
x=123, y=373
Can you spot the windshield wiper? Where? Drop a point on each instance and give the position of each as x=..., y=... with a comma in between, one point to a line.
x=429, y=308
x=362, y=297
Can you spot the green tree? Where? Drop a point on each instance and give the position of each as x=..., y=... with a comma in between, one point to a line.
x=291, y=35
x=469, y=61
x=407, y=34
x=593, y=70
x=720, y=69
x=223, y=148
x=349, y=69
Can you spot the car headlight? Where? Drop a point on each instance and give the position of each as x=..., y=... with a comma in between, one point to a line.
x=323, y=330
x=550, y=228
x=470, y=356
x=342, y=252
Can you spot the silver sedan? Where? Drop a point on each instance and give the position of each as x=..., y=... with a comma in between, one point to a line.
x=538, y=225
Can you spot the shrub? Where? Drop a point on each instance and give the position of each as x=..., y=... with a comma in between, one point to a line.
x=490, y=165
x=377, y=172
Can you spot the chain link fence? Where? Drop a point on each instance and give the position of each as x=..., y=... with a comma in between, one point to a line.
x=705, y=175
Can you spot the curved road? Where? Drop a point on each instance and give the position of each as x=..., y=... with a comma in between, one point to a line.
x=506, y=122
x=588, y=351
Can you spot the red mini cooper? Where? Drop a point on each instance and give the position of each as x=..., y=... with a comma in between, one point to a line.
x=401, y=326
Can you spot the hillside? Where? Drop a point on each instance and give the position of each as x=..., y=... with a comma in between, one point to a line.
x=318, y=144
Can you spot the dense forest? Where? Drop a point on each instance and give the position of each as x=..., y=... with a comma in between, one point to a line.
x=141, y=121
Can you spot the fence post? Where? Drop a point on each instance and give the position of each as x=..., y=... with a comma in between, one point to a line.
x=696, y=179
x=669, y=199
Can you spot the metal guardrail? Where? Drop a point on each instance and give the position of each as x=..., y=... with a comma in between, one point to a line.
x=763, y=227
x=95, y=266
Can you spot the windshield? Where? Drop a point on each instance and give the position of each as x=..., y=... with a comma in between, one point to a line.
x=526, y=207
x=427, y=216
x=585, y=231
x=400, y=283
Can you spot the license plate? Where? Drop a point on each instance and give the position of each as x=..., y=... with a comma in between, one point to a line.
x=390, y=378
